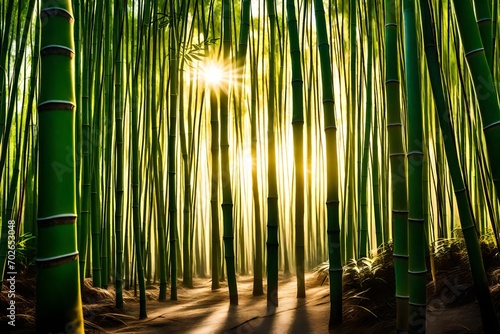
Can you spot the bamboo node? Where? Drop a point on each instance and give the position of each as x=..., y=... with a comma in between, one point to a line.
x=56, y=11
x=403, y=296
x=489, y=126
x=484, y=19
x=393, y=124
x=64, y=215
x=57, y=50
x=419, y=153
x=417, y=272
x=56, y=260
x=467, y=228
x=473, y=51
x=56, y=105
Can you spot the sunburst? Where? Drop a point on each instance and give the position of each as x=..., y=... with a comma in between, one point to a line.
x=214, y=74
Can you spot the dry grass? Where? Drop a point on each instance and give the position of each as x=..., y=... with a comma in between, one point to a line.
x=369, y=284
x=98, y=305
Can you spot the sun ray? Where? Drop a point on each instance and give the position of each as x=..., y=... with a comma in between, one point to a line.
x=213, y=74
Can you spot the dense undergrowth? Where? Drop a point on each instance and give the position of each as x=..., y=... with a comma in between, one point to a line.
x=369, y=282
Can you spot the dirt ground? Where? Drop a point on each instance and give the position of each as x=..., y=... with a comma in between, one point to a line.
x=369, y=304
x=200, y=310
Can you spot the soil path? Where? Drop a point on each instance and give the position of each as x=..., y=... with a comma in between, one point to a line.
x=200, y=310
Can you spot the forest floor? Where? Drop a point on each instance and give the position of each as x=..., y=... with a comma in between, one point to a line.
x=368, y=305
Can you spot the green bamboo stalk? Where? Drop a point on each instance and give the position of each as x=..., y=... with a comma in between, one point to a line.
x=258, y=265
x=332, y=200
x=147, y=173
x=57, y=254
x=139, y=254
x=227, y=202
x=107, y=141
x=305, y=30
x=351, y=151
x=460, y=188
x=186, y=34
x=272, y=198
x=3, y=69
x=172, y=152
x=78, y=86
x=376, y=180
x=483, y=83
x=157, y=158
x=485, y=24
x=298, y=128
x=241, y=57
x=119, y=17
x=416, y=223
x=186, y=217
x=86, y=142
x=95, y=173
x=397, y=166
x=363, y=233
x=214, y=200
x=495, y=14
x=379, y=157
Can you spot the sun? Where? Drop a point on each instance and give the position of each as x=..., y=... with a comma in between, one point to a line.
x=213, y=74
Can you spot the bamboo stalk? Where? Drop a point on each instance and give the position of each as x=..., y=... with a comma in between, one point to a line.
x=57, y=254
x=398, y=166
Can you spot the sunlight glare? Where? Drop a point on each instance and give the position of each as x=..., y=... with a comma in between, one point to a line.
x=213, y=74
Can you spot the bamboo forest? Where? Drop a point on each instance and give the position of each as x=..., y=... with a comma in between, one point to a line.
x=249, y=166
